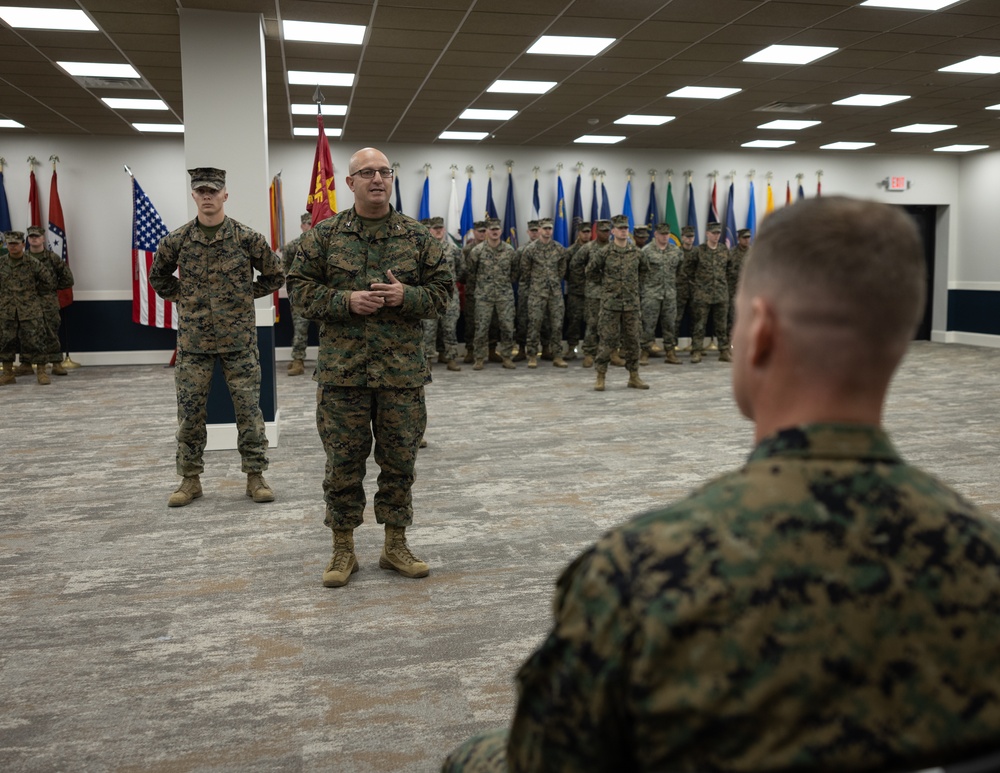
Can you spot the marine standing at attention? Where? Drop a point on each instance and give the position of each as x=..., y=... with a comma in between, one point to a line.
x=370, y=275
x=216, y=258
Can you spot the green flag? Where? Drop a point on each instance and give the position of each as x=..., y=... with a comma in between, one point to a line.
x=670, y=216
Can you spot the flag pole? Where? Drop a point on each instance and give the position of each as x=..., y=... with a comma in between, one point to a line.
x=68, y=361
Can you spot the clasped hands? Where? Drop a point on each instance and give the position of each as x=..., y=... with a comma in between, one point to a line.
x=366, y=302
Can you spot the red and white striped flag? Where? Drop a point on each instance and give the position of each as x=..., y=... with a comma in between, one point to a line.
x=148, y=229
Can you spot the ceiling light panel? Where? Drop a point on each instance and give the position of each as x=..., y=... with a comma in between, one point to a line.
x=9, y=123
x=871, y=100
x=99, y=70
x=478, y=114
x=168, y=128
x=521, y=87
x=984, y=65
x=303, y=108
x=471, y=136
x=703, y=92
x=644, y=120
x=307, y=78
x=599, y=139
x=788, y=124
x=567, y=45
x=767, y=143
x=322, y=32
x=960, y=148
x=313, y=131
x=120, y=103
x=910, y=5
x=925, y=128
x=789, y=54
x=46, y=19
x=846, y=146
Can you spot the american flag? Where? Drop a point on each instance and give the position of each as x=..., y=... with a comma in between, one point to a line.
x=148, y=229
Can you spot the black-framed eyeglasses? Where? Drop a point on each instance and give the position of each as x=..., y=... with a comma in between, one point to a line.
x=368, y=174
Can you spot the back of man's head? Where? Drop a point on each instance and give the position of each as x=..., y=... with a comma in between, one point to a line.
x=841, y=273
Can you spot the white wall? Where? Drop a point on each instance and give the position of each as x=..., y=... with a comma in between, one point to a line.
x=96, y=194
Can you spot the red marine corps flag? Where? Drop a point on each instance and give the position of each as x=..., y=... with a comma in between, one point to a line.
x=321, y=202
x=34, y=209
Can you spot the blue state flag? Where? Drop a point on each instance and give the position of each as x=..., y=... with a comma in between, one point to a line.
x=802, y=193
x=510, y=214
x=467, y=219
x=4, y=207
x=652, y=211
x=627, y=206
x=605, y=204
x=425, y=200
x=399, y=201
x=752, y=213
x=577, y=206
x=536, y=203
x=560, y=231
x=730, y=220
x=692, y=219
x=491, y=208
x=593, y=209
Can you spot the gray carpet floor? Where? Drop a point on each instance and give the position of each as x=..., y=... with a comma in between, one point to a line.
x=141, y=638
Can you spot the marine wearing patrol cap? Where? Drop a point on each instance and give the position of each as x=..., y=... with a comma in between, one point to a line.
x=436, y=222
x=663, y=228
x=687, y=230
x=584, y=225
x=425, y=221
x=207, y=177
x=619, y=221
x=603, y=225
x=532, y=225
x=479, y=225
x=642, y=229
x=13, y=237
x=35, y=230
x=305, y=218
x=493, y=222
x=743, y=232
x=545, y=222
x=714, y=228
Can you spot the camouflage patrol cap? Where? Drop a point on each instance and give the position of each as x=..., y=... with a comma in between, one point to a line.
x=13, y=237
x=603, y=225
x=545, y=222
x=306, y=218
x=584, y=225
x=743, y=232
x=687, y=230
x=493, y=222
x=207, y=177
x=532, y=225
x=642, y=229
x=35, y=230
x=619, y=221
x=479, y=225
x=436, y=222
x=714, y=228
x=425, y=221
x=663, y=228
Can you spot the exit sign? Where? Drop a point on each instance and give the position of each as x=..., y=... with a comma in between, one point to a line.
x=897, y=183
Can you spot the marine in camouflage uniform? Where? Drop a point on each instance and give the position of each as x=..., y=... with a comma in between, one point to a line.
x=659, y=295
x=706, y=269
x=300, y=325
x=50, y=300
x=737, y=256
x=576, y=281
x=491, y=265
x=370, y=275
x=444, y=327
x=216, y=257
x=828, y=607
x=469, y=329
x=683, y=278
x=543, y=268
x=24, y=281
x=521, y=293
x=622, y=269
x=591, y=289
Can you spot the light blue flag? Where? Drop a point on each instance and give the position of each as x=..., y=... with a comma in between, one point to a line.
x=627, y=206
x=467, y=219
x=425, y=200
x=752, y=213
x=560, y=230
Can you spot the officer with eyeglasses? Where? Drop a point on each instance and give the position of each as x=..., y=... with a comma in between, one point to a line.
x=370, y=275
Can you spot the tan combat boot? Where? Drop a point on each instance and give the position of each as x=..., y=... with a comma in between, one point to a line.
x=635, y=382
x=532, y=362
x=695, y=357
x=396, y=554
x=559, y=362
x=655, y=350
x=469, y=358
x=441, y=358
x=41, y=375
x=343, y=562
x=478, y=365
x=520, y=356
x=671, y=357
x=8, y=376
x=616, y=359
x=570, y=353
x=258, y=489
x=58, y=369
x=508, y=363
x=588, y=361
x=187, y=492
x=452, y=365
x=599, y=384
x=725, y=356
x=493, y=356
x=644, y=357
x=24, y=369
x=296, y=368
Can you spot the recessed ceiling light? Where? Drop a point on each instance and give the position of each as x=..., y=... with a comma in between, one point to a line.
x=872, y=100
x=986, y=65
x=645, y=120
x=302, y=108
x=476, y=114
x=313, y=131
x=767, y=143
x=789, y=54
x=306, y=78
x=99, y=70
x=925, y=128
x=568, y=45
x=170, y=128
x=324, y=32
x=788, y=124
x=846, y=145
x=120, y=103
x=960, y=148
x=703, y=92
x=993, y=107
x=463, y=135
x=600, y=139
x=46, y=19
x=911, y=5
x=10, y=123
x=521, y=87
